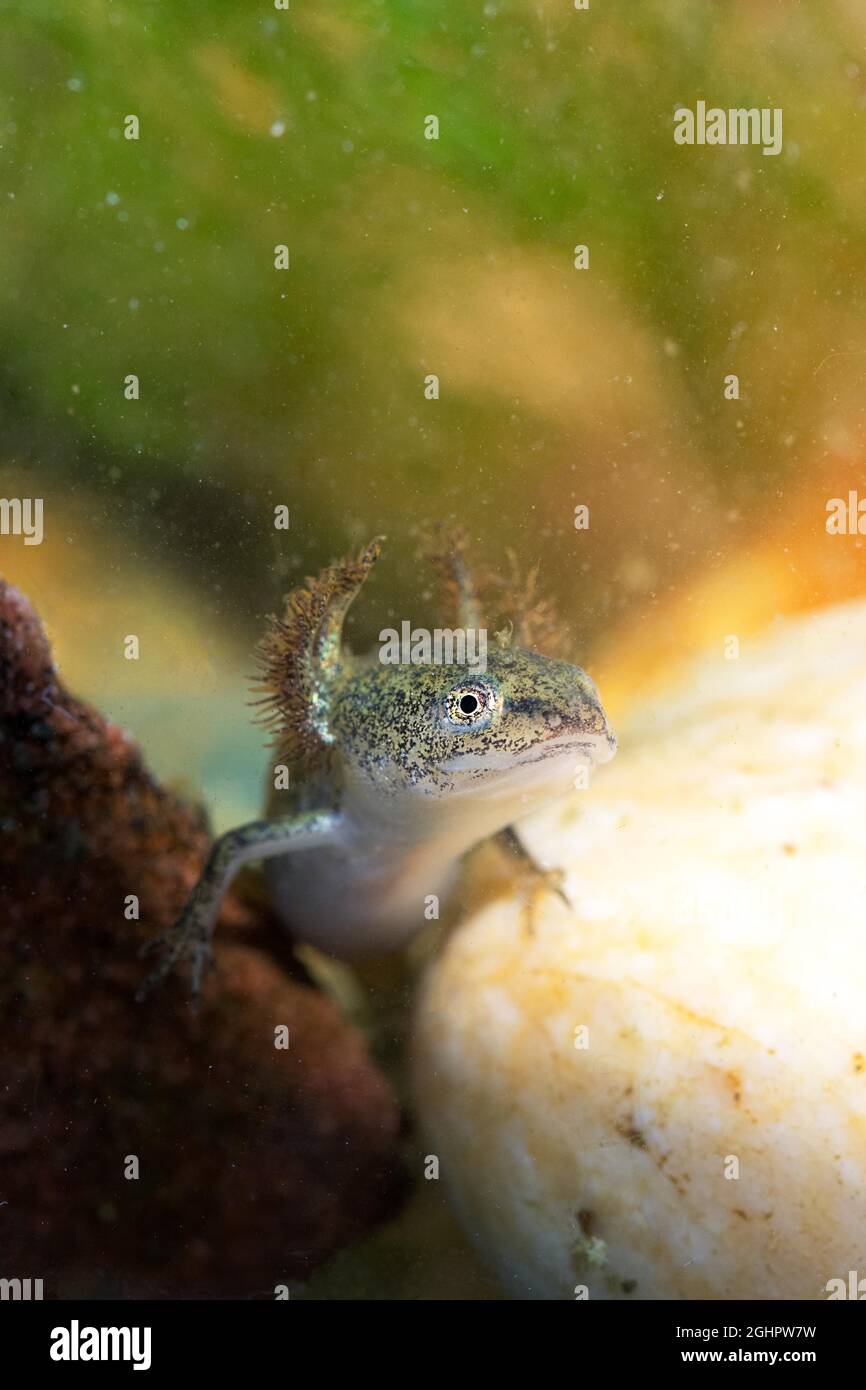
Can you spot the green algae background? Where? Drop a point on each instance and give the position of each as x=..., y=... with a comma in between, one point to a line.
x=408, y=257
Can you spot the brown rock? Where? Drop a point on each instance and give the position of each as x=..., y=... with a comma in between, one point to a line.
x=255, y=1164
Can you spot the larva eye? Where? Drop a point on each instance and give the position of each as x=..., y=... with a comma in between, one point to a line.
x=471, y=705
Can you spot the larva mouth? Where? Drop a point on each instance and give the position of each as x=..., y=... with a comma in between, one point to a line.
x=584, y=729
x=583, y=746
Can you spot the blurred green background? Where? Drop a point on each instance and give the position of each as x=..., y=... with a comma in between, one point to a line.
x=408, y=256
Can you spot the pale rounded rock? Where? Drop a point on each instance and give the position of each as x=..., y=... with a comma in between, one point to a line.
x=661, y=1093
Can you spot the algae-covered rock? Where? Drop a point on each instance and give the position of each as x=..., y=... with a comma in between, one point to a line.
x=661, y=1091
x=144, y=1150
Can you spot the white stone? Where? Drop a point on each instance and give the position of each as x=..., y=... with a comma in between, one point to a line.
x=716, y=952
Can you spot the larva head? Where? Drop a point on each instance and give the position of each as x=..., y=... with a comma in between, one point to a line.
x=509, y=731
x=518, y=730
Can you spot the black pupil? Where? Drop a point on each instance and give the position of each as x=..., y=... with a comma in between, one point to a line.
x=468, y=704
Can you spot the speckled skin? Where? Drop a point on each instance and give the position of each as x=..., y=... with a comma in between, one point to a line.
x=400, y=729
x=398, y=771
